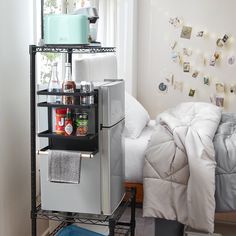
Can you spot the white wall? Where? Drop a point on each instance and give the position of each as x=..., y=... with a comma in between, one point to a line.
x=16, y=30
x=156, y=35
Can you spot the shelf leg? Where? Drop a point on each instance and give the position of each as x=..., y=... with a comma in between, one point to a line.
x=33, y=138
x=34, y=227
x=112, y=225
x=132, y=218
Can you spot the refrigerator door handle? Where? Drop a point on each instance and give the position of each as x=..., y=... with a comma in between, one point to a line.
x=108, y=127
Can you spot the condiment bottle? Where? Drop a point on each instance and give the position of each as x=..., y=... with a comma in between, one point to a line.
x=81, y=124
x=86, y=89
x=60, y=120
x=68, y=123
x=68, y=86
x=54, y=86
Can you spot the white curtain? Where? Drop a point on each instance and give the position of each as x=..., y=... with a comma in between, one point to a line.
x=117, y=26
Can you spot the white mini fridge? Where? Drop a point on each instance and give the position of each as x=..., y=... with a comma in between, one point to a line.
x=101, y=186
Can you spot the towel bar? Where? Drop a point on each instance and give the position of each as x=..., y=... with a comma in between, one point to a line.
x=83, y=154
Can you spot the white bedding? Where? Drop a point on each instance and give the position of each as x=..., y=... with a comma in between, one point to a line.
x=134, y=154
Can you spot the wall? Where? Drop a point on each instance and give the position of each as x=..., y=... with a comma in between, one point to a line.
x=16, y=21
x=155, y=37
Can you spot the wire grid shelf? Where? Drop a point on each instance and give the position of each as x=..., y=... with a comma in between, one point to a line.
x=119, y=230
x=84, y=217
x=73, y=49
x=71, y=217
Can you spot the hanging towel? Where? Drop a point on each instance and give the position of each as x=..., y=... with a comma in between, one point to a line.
x=64, y=166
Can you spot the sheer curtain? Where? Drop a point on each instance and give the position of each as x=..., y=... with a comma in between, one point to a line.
x=117, y=26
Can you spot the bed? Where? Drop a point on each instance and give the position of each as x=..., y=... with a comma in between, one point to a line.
x=135, y=153
x=138, y=130
x=134, y=159
x=191, y=153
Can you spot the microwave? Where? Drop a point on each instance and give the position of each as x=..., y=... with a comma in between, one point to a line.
x=66, y=29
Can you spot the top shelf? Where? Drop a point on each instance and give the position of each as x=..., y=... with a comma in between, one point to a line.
x=81, y=48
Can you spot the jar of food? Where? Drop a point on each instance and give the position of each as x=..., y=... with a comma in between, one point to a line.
x=60, y=120
x=81, y=122
x=87, y=96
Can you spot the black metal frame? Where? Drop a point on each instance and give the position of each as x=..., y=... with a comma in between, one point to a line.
x=116, y=227
x=113, y=222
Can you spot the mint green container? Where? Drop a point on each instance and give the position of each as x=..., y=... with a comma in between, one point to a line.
x=66, y=29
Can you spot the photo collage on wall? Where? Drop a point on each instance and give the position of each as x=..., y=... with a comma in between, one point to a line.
x=182, y=56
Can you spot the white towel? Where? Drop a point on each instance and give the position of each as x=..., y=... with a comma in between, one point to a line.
x=64, y=166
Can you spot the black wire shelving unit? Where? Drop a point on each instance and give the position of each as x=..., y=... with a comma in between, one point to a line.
x=113, y=222
x=82, y=49
x=116, y=227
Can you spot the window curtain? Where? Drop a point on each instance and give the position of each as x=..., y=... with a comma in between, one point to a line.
x=117, y=26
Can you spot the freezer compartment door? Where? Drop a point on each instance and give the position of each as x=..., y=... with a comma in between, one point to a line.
x=112, y=167
x=113, y=106
x=83, y=197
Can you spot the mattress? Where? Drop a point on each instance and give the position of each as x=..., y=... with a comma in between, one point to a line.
x=134, y=154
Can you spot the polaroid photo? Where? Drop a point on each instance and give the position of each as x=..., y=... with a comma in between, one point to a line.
x=225, y=38
x=232, y=88
x=217, y=55
x=206, y=80
x=191, y=92
x=186, y=32
x=170, y=79
x=219, y=43
x=212, y=61
x=186, y=67
x=219, y=101
x=187, y=52
x=178, y=85
x=231, y=60
x=195, y=74
x=200, y=34
x=174, y=56
x=220, y=87
x=176, y=21
x=173, y=45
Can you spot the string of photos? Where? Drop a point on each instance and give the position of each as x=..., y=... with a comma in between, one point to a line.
x=183, y=55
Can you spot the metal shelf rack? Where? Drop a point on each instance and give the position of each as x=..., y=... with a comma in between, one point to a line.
x=116, y=227
x=113, y=221
x=82, y=49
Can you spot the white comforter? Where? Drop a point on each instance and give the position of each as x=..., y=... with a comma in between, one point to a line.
x=179, y=169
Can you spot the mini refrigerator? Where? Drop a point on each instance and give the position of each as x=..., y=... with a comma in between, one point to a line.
x=101, y=186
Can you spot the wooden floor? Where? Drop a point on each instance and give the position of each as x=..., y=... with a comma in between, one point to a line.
x=146, y=226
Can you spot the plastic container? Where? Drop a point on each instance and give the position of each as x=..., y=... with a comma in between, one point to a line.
x=73, y=230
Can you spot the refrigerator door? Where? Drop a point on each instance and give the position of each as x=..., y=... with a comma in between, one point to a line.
x=113, y=108
x=112, y=167
x=83, y=197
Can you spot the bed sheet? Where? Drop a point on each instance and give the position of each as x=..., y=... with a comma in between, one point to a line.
x=134, y=154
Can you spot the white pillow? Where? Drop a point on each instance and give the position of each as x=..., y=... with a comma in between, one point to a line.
x=136, y=117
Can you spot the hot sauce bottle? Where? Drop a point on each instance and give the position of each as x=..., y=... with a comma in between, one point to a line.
x=68, y=123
